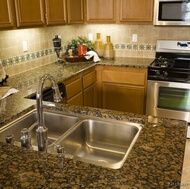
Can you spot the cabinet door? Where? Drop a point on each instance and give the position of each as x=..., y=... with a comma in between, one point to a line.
x=90, y=96
x=29, y=13
x=55, y=12
x=76, y=100
x=136, y=10
x=123, y=98
x=75, y=11
x=6, y=14
x=100, y=11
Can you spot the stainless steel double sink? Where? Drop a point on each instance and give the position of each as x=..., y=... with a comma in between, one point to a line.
x=99, y=141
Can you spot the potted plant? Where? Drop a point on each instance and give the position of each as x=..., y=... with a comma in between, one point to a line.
x=73, y=45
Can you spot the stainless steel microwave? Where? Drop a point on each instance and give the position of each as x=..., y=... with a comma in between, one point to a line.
x=172, y=12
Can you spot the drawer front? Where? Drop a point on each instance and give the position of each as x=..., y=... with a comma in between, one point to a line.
x=89, y=79
x=124, y=77
x=73, y=88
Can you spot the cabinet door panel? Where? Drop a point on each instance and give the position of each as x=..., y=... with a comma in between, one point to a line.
x=89, y=79
x=90, y=96
x=123, y=98
x=136, y=10
x=76, y=100
x=6, y=14
x=73, y=88
x=75, y=11
x=101, y=11
x=29, y=13
x=55, y=12
x=127, y=77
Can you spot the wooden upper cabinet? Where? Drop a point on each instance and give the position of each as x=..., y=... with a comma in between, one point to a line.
x=136, y=10
x=100, y=11
x=55, y=12
x=75, y=10
x=6, y=14
x=29, y=13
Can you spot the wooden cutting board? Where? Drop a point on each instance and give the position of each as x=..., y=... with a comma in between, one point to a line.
x=3, y=91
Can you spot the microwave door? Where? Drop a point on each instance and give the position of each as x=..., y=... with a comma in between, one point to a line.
x=171, y=12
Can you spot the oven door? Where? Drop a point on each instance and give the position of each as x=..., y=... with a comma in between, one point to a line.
x=168, y=99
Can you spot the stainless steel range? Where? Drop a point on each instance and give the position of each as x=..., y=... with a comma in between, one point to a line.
x=168, y=90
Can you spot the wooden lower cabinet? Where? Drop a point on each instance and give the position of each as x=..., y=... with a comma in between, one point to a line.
x=74, y=91
x=123, y=97
x=76, y=100
x=90, y=96
x=109, y=87
x=81, y=89
x=122, y=88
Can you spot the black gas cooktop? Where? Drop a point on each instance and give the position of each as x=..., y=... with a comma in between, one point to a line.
x=170, y=69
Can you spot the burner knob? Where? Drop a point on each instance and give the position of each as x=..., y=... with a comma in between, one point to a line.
x=157, y=72
x=165, y=73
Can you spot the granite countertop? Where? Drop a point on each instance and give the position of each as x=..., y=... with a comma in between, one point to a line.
x=155, y=161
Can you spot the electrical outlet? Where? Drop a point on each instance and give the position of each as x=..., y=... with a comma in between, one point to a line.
x=90, y=37
x=25, y=46
x=134, y=38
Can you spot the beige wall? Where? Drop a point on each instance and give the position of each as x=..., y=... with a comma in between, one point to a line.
x=41, y=38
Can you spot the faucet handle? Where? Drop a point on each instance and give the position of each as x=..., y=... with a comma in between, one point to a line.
x=60, y=149
x=25, y=138
x=9, y=139
x=60, y=155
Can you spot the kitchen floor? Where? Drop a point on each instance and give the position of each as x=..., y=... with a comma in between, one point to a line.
x=185, y=181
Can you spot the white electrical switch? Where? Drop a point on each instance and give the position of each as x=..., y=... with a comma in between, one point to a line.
x=25, y=46
x=90, y=37
x=134, y=37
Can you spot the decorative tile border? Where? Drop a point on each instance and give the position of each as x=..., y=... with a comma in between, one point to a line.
x=136, y=47
x=11, y=61
x=26, y=57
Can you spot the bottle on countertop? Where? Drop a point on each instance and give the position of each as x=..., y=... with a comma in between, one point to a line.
x=98, y=45
x=108, y=49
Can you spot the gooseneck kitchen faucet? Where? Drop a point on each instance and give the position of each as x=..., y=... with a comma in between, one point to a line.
x=42, y=130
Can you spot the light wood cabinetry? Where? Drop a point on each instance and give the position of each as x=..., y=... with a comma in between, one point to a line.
x=29, y=13
x=6, y=14
x=64, y=11
x=89, y=89
x=123, y=89
x=136, y=10
x=81, y=89
x=55, y=12
x=74, y=90
x=75, y=11
x=109, y=87
x=100, y=11
x=26, y=13
x=119, y=11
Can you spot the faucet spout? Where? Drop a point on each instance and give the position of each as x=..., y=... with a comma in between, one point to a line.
x=42, y=130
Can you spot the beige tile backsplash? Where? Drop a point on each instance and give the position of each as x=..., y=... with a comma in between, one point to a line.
x=41, y=38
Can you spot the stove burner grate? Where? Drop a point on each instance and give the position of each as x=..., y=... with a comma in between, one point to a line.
x=163, y=62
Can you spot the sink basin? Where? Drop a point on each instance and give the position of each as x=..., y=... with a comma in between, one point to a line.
x=56, y=123
x=101, y=142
